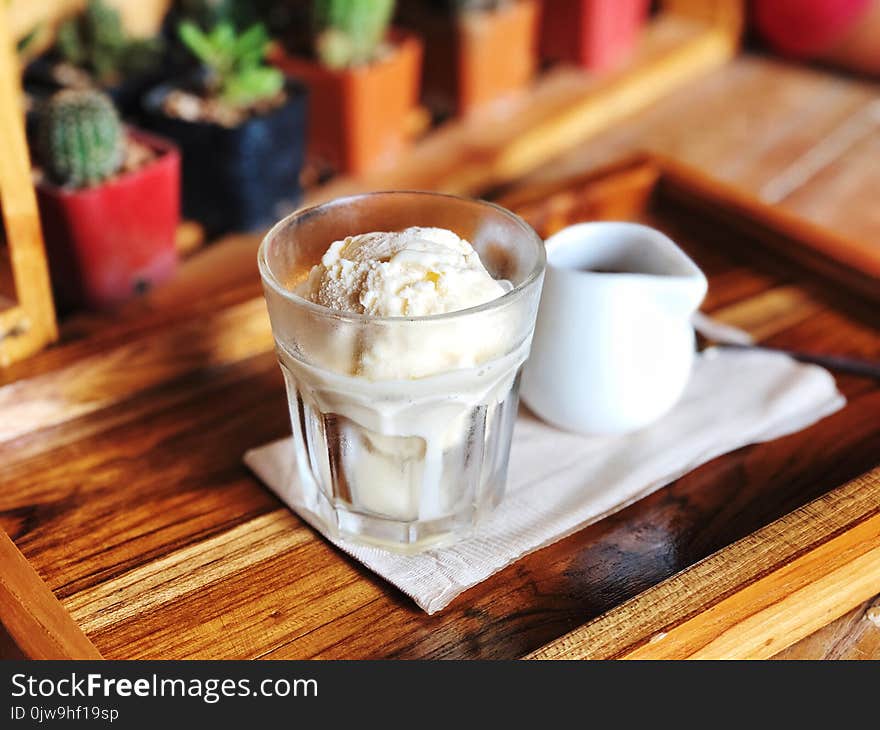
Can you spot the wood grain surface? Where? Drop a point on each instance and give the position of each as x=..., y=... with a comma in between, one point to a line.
x=129, y=497
x=855, y=635
x=798, y=137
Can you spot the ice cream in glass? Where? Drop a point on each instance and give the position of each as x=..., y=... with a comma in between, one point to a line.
x=401, y=322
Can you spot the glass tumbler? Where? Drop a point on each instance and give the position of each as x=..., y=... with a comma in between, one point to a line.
x=402, y=425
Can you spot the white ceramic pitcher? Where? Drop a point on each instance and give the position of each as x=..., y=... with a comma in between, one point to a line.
x=613, y=344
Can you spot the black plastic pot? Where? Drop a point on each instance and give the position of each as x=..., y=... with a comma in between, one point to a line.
x=241, y=178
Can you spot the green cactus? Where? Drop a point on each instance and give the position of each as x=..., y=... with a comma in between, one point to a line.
x=97, y=42
x=235, y=62
x=81, y=141
x=350, y=32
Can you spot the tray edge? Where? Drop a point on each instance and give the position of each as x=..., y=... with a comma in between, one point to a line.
x=803, y=564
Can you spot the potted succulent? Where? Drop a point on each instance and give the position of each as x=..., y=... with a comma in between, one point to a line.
x=109, y=200
x=594, y=34
x=363, y=80
x=92, y=49
x=477, y=52
x=240, y=126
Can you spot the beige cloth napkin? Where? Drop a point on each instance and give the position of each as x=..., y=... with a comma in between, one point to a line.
x=560, y=482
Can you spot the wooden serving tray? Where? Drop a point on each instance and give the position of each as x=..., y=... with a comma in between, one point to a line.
x=134, y=531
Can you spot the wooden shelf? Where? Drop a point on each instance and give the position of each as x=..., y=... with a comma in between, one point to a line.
x=562, y=111
x=564, y=108
x=27, y=321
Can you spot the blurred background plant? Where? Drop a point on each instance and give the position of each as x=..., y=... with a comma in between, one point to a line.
x=236, y=70
x=278, y=16
x=350, y=32
x=208, y=13
x=96, y=42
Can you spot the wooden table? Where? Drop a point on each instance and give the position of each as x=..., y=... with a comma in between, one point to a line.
x=799, y=137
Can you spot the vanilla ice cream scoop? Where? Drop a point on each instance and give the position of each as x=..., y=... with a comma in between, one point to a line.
x=416, y=272
x=411, y=273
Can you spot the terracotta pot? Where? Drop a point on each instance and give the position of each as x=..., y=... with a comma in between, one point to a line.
x=109, y=242
x=358, y=117
x=595, y=34
x=476, y=58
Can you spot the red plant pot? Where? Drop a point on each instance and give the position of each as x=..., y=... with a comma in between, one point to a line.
x=116, y=239
x=595, y=34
